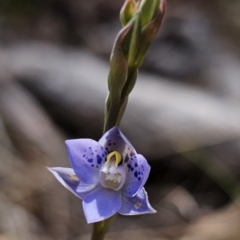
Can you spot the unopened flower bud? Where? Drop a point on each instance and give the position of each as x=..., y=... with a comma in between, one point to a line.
x=149, y=9
x=150, y=31
x=118, y=66
x=127, y=11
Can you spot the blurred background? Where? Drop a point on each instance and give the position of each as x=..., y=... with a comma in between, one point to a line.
x=183, y=115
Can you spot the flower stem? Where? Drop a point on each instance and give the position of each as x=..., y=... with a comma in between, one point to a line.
x=113, y=115
x=115, y=111
x=101, y=228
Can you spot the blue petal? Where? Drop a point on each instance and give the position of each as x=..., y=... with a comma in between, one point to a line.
x=86, y=157
x=136, y=205
x=114, y=140
x=68, y=178
x=137, y=170
x=100, y=204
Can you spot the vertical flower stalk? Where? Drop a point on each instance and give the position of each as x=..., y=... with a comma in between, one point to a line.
x=141, y=23
x=109, y=175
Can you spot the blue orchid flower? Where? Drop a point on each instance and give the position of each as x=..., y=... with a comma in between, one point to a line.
x=107, y=175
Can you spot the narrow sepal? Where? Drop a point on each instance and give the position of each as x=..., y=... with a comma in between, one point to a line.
x=68, y=178
x=136, y=205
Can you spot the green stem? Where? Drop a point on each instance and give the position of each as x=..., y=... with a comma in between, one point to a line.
x=131, y=80
x=114, y=111
x=113, y=114
x=112, y=117
x=101, y=228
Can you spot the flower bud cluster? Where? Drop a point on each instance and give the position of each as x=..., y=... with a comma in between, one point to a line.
x=141, y=22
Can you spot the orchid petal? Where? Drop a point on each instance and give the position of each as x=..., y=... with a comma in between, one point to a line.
x=101, y=203
x=137, y=170
x=114, y=140
x=136, y=205
x=86, y=157
x=68, y=178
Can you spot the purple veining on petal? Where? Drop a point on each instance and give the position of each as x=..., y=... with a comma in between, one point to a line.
x=137, y=174
x=136, y=205
x=84, y=159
